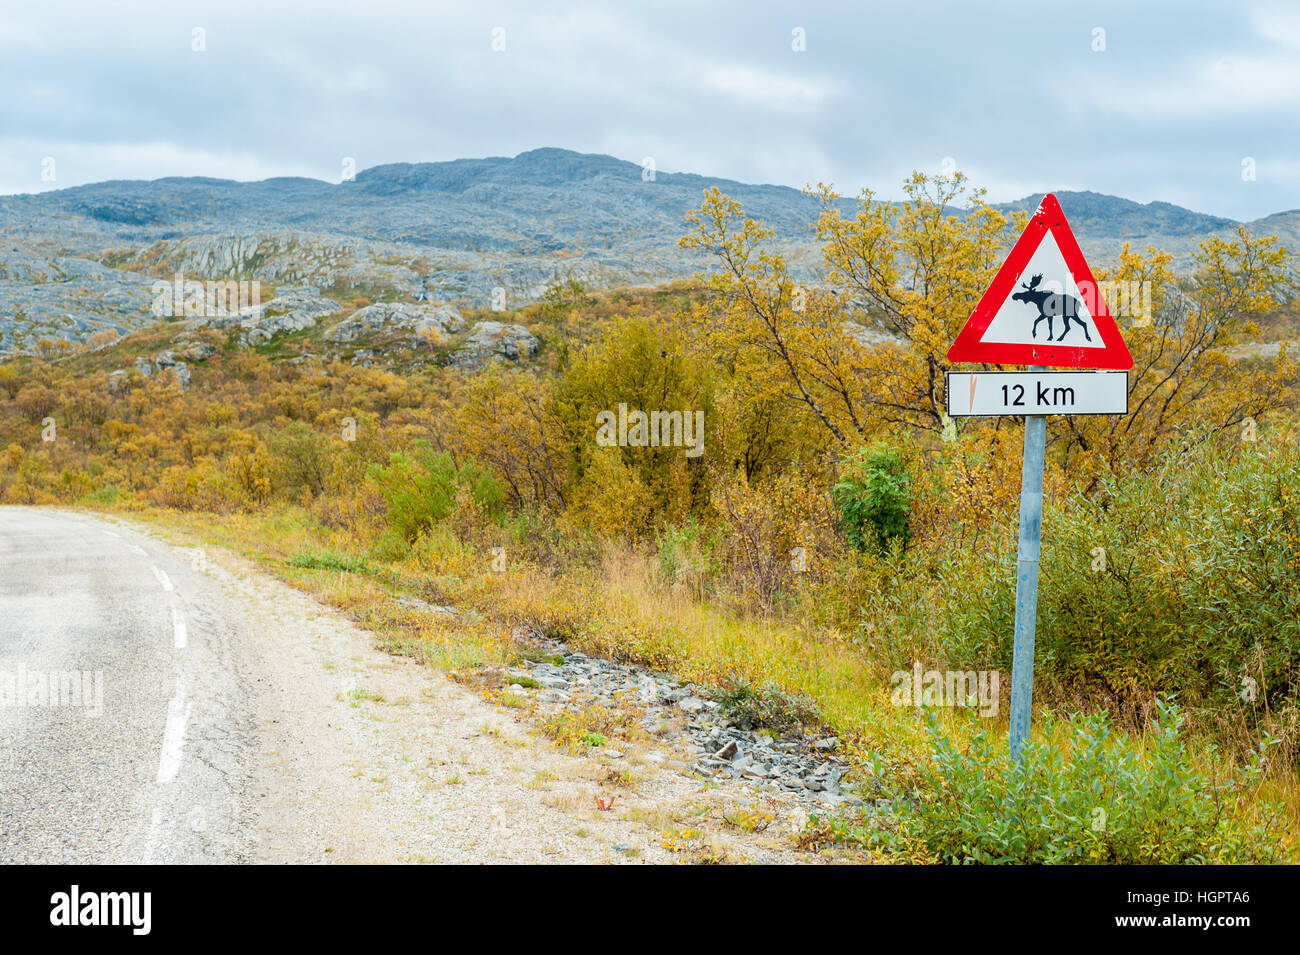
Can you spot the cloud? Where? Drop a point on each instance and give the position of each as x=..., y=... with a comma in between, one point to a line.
x=1166, y=112
x=1280, y=25
x=1229, y=84
x=755, y=87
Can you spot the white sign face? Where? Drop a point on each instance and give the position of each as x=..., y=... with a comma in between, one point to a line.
x=1046, y=304
x=1037, y=393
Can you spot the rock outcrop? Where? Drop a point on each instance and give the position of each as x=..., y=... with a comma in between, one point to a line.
x=489, y=340
x=62, y=297
x=416, y=320
x=291, y=310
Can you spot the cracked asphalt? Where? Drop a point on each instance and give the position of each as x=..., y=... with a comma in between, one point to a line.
x=116, y=744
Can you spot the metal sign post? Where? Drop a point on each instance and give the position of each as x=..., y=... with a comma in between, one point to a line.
x=1027, y=550
x=1032, y=394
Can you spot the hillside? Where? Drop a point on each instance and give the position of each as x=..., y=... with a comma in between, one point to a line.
x=78, y=260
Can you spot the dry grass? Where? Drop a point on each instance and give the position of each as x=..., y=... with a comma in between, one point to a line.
x=619, y=612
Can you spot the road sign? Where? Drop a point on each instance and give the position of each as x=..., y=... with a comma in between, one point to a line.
x=1043, y=307
x=1037, y=392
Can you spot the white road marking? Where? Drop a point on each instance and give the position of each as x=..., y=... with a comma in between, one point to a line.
x=138, y=549
x=154, y=826
x=108, y=532
x=178, y=628
x=178, y=713
x=162, y=578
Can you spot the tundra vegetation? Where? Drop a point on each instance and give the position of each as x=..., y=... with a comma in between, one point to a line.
x=836, y=528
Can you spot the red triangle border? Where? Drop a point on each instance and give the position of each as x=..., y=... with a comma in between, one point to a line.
x=969, y=348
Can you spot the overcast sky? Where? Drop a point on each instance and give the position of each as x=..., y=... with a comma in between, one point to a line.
x=1167, y=103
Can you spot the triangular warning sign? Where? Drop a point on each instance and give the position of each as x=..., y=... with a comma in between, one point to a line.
x=1043, y=307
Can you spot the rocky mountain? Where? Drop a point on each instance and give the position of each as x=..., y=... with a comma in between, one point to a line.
x=470, y=232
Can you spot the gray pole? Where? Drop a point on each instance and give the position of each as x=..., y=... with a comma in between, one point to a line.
x=1031, y=531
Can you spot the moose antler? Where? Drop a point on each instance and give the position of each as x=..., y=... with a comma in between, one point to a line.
x=1033, y=283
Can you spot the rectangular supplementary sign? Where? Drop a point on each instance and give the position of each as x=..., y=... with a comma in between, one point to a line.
x=1037, y=392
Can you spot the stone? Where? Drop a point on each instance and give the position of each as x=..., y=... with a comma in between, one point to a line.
x=197, y=351
x=495, y=340
x=656, y=725
x=418, y=604
x=793, y=767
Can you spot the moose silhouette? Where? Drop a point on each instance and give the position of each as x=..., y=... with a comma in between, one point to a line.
x=1049, y=305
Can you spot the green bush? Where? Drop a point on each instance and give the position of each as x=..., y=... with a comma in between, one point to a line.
x=301, y=458
x=390, y=547
x=1185, y=579
x=1093, y=799
x=872, y=497
x=420, y=490
x=687, y=554
x=105, y=496
x=328, y=560
x=766, y=706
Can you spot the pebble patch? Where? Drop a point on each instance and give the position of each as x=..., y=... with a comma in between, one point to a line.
x=683, y=715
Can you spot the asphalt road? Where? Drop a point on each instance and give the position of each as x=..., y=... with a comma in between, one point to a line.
x=123, y=725
x=159, y=704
